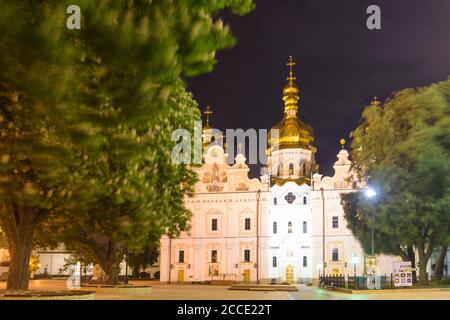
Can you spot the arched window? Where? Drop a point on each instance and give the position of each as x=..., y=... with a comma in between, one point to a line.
x=275, y=201
x=274, y=262
x=291, y=168
x=289, y=227
x=305, y=200
x=304, y=168
x=305, y=227
x=305, y=261
x=274, y=227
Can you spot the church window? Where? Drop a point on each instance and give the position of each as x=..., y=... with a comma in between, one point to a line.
x=274, y=229
x=247, y=223
x=214, y=256
x=304, y=168
x=305, y=261
x=214, y=224
x=291, y=168
x=274, y=262
x=246, y=255
x=275, y=201
x=335, y=222
x=289, y=227
x=305, y=227
x=290, y=197
x=181, y=256
x=305, y=200
x=335, y=254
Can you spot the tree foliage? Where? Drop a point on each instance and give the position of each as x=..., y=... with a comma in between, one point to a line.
x=403, y=150
x=86, y=118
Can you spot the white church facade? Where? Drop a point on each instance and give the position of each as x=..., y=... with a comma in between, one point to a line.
x=287, y=227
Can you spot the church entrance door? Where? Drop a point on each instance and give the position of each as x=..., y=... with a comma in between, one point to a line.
x=290, y=274
x=180, y=275
x=246, y=275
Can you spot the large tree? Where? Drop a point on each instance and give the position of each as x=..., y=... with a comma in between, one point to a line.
x=85, y=115
x=403, y=150
x=138, y=198
x=35, y=179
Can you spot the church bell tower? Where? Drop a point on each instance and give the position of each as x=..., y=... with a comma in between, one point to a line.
x=291, y=154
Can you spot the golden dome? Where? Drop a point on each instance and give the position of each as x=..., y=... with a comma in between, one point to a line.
x=292, y=133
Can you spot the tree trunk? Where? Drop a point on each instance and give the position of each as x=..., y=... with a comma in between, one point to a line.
x=18, y=274
x=113, y=271
x=439, y=268
x=424, y=256
x=412, y=258
x=136, y=271
x=111, y=265
x=18, y=224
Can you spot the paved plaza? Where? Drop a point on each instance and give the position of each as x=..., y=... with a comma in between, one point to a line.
x=207, y=292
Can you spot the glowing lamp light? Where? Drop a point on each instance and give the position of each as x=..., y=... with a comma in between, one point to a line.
x=355, y=259
x=319, y=266
x=370, y=193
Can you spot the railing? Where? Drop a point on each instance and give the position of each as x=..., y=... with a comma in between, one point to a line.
x=355, y=282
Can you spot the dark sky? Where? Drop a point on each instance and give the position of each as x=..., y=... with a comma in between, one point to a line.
x=341, y=64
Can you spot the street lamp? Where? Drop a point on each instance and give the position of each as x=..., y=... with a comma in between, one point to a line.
x=125, y=256
x=355, y=261
x=371, y=194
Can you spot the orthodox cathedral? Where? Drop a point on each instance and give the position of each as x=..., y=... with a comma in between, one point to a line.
x=287, y=227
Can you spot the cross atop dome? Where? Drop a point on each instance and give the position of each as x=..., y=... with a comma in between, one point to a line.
x=208, y=112
x=291, y=64
x=375, y=102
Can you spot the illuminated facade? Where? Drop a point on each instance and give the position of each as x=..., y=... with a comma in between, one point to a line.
x=282, y=228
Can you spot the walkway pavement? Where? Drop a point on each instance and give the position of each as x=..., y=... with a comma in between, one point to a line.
x=207, y=292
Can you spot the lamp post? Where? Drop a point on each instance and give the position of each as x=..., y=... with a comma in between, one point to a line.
x=125, y=256
x=371, y=194
x=322, y=191
x=81, y=272
x=355, y=261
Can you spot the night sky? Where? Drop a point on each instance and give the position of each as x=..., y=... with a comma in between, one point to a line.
x=341, y=64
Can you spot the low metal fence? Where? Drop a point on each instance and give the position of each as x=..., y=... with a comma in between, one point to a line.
x=356, y=282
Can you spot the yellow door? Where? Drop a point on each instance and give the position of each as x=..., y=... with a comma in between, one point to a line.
x=246, y=275
x=335, y=272
x=180, y=275
x=290, y=274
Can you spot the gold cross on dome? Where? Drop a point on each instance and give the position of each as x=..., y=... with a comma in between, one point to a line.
x=290, y=64
x=375, y=101
x=208, y=112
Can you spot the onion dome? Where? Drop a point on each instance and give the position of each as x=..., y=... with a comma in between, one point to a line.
x=292, y=132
